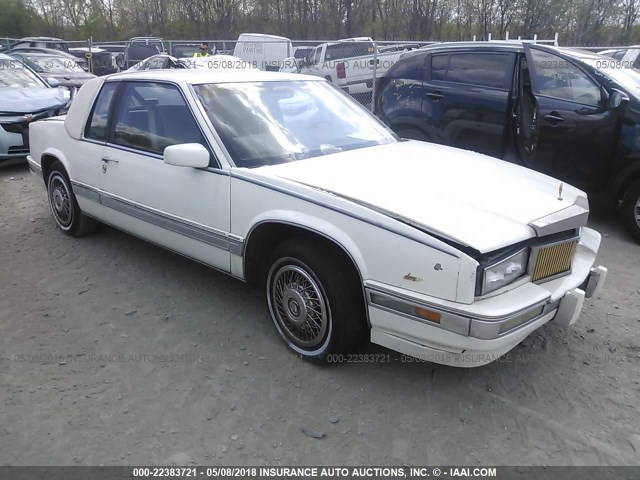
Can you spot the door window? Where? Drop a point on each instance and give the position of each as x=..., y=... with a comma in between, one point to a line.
x=556, y=77
x=483, y=69
x=152, y=116
x=96, y=128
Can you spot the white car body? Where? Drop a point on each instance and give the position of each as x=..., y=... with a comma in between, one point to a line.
x=412, y=217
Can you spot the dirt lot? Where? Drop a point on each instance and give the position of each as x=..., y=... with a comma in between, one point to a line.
x=113, y=351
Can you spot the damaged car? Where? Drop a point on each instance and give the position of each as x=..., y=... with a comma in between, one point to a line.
x=284, y=181
x=24, y=98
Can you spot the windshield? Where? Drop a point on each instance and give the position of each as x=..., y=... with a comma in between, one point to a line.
x=266, y=123
x=626, y=77
x=19, y=78
x=55, y=64
x=184, y=50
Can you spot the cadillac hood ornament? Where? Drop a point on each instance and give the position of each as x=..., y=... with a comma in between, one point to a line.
x=560, y=191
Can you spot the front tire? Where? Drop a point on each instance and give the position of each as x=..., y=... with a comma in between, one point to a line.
x=631, y=210
x=64, y=206
x=315, y=300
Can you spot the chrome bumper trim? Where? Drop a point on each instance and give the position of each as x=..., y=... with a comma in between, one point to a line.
x=462, y=324
x=33, y=166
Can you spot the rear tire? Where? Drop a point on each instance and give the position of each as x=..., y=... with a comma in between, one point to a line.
x=315, y=300
x=64, y=206
x=631, y=210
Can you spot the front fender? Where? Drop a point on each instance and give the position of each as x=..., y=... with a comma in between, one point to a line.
x=316, y=225
x=383, y=249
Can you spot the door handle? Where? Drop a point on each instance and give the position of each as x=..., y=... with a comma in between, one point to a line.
x=554, y=118
x=434, y=95
x=107, y=160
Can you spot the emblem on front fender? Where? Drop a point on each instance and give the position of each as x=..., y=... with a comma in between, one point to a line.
x=104, y=168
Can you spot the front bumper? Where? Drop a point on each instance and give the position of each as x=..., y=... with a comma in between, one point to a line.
x=476, y=334
x=12, y=140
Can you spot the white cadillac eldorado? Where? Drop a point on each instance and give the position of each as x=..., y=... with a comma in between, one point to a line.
x=284, y=181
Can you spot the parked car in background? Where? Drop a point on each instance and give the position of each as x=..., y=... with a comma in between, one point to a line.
x=141, y=48
x=24, y=98
x=38, y=42
x=183, y=50
x=99, y=61
x=65, y=71
x=281, y=180
x=213, y=62
x=628, y=57
x=267, y=52
x=295, y=63
x=117, y=53
x=219, y=62
x=568, y=113
x=350, y=65
x=159, y=61
x=81, y=62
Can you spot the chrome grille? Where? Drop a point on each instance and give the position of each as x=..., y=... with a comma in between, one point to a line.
x=554, y=260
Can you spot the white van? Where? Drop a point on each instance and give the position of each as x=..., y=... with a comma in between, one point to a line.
x=267, y=52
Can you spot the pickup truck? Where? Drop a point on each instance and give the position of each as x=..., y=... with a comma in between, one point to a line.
x=282, y=181
x=571, y=114
x=349, y=64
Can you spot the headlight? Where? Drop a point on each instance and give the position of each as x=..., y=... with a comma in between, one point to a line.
x=505, y=271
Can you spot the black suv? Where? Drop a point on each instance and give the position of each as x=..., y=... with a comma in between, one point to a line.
x=568, y=113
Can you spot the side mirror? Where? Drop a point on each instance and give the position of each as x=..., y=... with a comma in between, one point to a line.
x=617, y=98
x=187, y=155
x=53, y=82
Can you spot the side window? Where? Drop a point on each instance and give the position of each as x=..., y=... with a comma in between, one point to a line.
x=484, y=69
x=559, y=78
x=410, y=67
x=96, y=128
x=439, y=64
x=152, y=116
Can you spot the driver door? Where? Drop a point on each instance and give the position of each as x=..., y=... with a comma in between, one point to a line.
x=184, y=209
x=564, y=128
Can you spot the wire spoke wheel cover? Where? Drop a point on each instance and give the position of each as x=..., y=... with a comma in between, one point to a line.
x=298, y=305
x=60, y=201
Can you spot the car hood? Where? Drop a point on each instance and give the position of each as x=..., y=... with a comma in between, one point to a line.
x=28, y=100
x=77, y=78
x=466, y=197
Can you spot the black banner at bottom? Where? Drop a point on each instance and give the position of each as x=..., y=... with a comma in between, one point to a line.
x=311, y=472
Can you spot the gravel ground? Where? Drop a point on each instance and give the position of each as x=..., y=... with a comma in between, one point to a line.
x=114, y=351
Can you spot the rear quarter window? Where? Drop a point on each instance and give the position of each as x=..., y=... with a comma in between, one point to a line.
x=96, y=128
